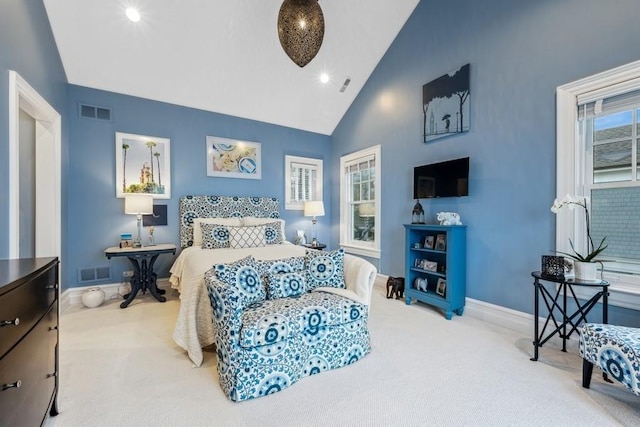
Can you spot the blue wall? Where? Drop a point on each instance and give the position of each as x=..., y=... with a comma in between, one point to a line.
x=97, y=216
x=27, y=47
x=519, y=52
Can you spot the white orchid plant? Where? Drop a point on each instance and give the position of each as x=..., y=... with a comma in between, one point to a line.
x=571, y=202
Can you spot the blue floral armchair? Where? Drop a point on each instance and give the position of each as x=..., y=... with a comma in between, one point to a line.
x=274, y=325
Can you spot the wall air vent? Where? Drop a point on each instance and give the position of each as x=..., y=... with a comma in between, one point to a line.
x=345, y=84
x=94, y=274
x=94, y=112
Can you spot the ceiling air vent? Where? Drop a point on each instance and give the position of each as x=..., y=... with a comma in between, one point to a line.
x=345, y=84
x=93, y=112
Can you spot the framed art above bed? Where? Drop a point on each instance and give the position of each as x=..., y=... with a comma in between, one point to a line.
x=232, y=158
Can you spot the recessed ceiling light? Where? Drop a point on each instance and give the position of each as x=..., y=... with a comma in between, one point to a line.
x=324, y=78
x=133, y=14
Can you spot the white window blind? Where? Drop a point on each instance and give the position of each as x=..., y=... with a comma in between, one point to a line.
x=303, y=181
x=590, y=108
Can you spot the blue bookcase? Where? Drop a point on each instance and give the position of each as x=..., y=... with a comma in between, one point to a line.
x=436, y=266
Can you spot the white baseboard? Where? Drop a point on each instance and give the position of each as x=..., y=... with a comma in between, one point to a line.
x=514, y=320
x=494, y=314
x=517, y=321
x=73, y=296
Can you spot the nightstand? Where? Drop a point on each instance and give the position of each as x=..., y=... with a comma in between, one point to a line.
x=142, y=260
x=318, y=247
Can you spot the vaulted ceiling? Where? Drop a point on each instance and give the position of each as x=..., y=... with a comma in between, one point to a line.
x=224, y=55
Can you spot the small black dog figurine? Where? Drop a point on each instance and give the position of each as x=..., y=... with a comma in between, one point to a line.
x=395, y=286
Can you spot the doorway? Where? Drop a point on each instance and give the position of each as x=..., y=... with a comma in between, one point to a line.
x=34, y=173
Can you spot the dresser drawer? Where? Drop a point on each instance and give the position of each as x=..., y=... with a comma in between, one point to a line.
x=26, y=303
x=32, y=362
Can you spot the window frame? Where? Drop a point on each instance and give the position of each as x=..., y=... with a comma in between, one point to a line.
x=314, y=164
x=571, y=161
x=368, y=249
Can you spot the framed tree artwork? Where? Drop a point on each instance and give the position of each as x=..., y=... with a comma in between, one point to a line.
x=143, y=165
x=445, y=104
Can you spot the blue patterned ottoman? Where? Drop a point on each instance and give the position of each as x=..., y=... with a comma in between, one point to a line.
x=615, y=350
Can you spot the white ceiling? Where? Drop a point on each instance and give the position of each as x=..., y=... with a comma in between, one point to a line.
x=224, y=55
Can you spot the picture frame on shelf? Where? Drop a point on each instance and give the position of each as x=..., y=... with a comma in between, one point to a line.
x=441, y=287
x=429, y=242
x=418, y=263
x=429, y=265
x=441, y=242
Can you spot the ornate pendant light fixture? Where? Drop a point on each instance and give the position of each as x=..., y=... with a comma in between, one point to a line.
x=301, y=29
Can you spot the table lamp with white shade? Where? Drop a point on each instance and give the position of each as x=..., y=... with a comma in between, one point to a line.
x=138, y=204
x=366, y=212
x=314, y=209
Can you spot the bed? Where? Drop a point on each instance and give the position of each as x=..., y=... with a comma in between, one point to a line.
x=194, y=326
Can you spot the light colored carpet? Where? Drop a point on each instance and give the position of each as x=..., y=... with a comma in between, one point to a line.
x=121, y=368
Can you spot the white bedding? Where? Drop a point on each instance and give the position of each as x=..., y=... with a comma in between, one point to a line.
x=194, y=326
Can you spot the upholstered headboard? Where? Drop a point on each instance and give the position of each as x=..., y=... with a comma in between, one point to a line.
x=222, y=207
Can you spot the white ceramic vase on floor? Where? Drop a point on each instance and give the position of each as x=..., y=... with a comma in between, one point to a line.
x=93, y=297
x=587, y=271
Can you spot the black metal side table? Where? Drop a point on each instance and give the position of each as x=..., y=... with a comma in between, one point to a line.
x=555, y=299
x=142, y=260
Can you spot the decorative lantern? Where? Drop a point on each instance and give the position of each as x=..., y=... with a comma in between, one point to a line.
x=301, y=29
x=417, y=216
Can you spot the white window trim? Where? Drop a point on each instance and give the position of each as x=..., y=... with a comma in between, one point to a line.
x=625, y=288
x=313, y=164
x=371, y=249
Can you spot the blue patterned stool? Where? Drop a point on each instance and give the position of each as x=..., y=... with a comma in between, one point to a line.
x=615, y=350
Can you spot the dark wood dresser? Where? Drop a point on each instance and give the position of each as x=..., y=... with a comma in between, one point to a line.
x=28, y=341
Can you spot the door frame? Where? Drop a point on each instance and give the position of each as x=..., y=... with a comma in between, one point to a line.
x=48, y=203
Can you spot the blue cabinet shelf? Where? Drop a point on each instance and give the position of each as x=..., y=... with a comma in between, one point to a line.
x=436, y=266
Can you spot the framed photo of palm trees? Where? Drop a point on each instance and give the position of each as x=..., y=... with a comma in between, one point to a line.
x=143, y=165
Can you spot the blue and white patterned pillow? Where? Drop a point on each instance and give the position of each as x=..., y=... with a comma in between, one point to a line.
x=273, y=233
x=214, y=236
x=244, y=275
x=283, y=285
x=282, y=265
x=324, y=269
x=247, y=237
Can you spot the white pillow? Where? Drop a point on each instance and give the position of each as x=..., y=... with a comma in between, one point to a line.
x=251, y=220
x=197, y=230
x=247, y=237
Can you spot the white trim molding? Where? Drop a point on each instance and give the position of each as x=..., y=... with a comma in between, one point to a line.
x=368, y=249
x=48, y=131
x=503, y=317
x=315, y=193
x=72, y=297
x=624, y=289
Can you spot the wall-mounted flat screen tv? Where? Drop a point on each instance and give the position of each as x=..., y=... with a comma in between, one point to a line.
x=444, y=179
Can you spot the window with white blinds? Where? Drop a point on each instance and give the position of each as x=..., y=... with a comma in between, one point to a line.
x=359, y=204
x=609, y=137
x=303, y=181
x=598, y=156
